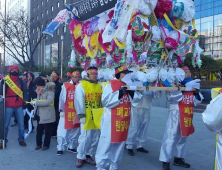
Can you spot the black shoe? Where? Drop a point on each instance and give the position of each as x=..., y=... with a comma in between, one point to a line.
x=1, y=145
x=142, y=150
x=166, y=166
x=180, y=162
x=13, y=124
x=72, y=150
x=59, y=153
x=130, y=152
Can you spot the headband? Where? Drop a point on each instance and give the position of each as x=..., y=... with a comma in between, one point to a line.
x=92, y=71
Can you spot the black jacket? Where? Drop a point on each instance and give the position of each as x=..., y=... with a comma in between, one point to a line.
x=58, y=89
x=19, y=82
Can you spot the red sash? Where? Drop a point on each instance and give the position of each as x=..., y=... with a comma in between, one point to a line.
x=120, y=118
x=186, y=114
x=70, y=111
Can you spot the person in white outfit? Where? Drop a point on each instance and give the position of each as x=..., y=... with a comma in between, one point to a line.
x=139, y=122
x=68, y=132
x=115, y=121
x=179, y=125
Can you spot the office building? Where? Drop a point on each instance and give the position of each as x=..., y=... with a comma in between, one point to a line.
x=209, y=25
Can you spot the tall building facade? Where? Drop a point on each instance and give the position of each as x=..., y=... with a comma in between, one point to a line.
x=209, y=25
x=53, y=48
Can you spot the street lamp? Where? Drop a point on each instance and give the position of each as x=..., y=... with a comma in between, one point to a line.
x=62, y=37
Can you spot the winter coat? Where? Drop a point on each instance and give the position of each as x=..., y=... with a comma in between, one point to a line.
x=58, y=88
x=12, y=99
x=46, y=108
x=32, y=95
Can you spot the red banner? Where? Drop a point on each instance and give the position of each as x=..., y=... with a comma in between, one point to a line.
x=70, y=111
x=120, y=116
x=186, y=114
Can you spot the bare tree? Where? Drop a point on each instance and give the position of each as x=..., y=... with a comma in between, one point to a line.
x=15, y=27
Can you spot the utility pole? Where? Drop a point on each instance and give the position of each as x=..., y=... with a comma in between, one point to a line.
x=4, y=41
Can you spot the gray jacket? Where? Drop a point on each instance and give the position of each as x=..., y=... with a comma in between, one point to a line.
x=46, y=108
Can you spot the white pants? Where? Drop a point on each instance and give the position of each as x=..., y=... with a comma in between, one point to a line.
x=108, y=153
x=88, y=140
x=174, y=144
x=66, y=137
x=138, y=129
x=219, y=151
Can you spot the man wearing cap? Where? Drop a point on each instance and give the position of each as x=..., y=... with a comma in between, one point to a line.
x=68, y=132
x=179, y=125
x=55, y=78
x=87, y=97
x=115, y=121
x=16, y=94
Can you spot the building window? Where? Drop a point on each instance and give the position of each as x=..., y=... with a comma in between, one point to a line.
x=58, y=4
x=33, y=9
x=57, y=32
x=64, y=29
x=33, y=20
x=46, y=0
x=52, y=8
x=42, y=14
x=37, y=6
x=42, y=2
x=33, y=41
x=37, y=40
x=64, y=1
x=47, y=11
x=33, y=31
x=37, y=29
x=37, y=17
x=42, y=26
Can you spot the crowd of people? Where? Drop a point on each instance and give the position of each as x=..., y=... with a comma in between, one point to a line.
x=68, y=110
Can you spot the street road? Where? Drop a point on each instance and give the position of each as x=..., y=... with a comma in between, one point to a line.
x=200, y=150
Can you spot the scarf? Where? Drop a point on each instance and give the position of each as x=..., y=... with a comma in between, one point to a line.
x=38, y=91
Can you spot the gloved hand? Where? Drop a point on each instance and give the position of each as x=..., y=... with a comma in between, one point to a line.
x=33, y=102
x=62, y=114
x=82, y=120
x=122, y=91
x=193, y=84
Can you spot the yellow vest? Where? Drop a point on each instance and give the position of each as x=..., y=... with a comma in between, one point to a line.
x=93, y=94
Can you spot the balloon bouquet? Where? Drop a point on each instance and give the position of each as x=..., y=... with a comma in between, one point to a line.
x=151, y=37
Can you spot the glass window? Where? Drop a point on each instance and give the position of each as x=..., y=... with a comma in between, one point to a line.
x=207, y=12
x=37, y=29
x=206, y=6
x=52, y=8
x=33, y=31
x=208, y=47
x=197, y=2
x=47, y=11
x=57, y=32
x=206, y=1
x=41, y=14
x=217, y=10
x=33, y=41
x=197, y=8
x=217, y=3
x=38, y=6
x=42, y=2
x=33, y=9
x=37, y=17
x=215, y=46
x=220, y=47
x=64, y=29
x=207, y=26
x=217, y=21
x=64, y=1
x=58, y=4
x=197, y=15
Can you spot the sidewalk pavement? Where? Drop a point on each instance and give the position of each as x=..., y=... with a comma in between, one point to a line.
x=200, y=150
